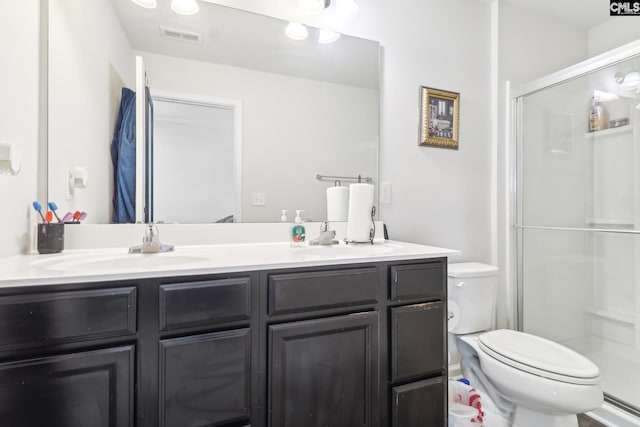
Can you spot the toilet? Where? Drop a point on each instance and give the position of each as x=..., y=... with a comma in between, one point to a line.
x=545, y=383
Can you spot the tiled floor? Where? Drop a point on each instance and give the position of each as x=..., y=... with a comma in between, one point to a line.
x=584, y=421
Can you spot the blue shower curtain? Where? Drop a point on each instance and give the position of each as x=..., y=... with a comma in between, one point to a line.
x=123, y=156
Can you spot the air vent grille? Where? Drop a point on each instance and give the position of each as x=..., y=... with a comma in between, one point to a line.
x=185, y=36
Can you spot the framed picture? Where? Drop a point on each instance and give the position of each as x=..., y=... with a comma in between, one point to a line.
x=439, y=118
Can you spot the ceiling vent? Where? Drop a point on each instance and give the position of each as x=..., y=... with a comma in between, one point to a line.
x=185, y=36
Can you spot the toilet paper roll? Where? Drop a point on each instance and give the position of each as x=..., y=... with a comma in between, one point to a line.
x=359, y=223
x=453, y=315
x=337, y=203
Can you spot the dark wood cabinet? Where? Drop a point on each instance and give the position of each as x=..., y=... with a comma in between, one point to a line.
x=418, y=345
x=419, y=404
x=93, y=388
x=205, y=379
x=418, y=354
x=324, y=372
x=326, y=346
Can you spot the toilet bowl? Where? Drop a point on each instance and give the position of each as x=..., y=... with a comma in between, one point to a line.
x=547, y=383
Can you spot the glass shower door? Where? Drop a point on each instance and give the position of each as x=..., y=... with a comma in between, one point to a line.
x=578, y=219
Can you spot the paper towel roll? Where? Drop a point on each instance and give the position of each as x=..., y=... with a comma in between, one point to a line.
x=453, y=315
x=337, y=203
x=359, y=219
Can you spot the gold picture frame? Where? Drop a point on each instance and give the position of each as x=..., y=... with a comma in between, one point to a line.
x=439, y=118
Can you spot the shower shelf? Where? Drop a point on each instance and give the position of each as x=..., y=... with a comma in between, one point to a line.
x=623, y=317
x=608, y=132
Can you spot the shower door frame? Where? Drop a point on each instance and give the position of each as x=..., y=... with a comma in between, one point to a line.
x=514, y=116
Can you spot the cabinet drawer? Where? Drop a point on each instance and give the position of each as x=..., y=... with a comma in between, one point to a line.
x=418, y=337
x=295, y=292
x=419, y=404
x=202, y=303
x=58, y=317
x=417, y=281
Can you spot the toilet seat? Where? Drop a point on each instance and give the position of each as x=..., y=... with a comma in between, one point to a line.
x=539, y=356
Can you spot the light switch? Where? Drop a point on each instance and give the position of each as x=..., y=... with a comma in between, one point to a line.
x=385, y=193
x=257, y=199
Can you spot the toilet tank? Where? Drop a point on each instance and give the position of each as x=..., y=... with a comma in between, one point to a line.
x=472, y=288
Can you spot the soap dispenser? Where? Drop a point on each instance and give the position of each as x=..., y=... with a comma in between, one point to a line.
x=283, y=218
x=297, y=233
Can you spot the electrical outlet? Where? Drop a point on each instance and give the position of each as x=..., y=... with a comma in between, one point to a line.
x=257, y=199
x=385, y=193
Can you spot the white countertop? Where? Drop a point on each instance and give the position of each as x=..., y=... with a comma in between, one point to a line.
x=93, y=265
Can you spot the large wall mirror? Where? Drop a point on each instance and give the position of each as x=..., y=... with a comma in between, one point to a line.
x=244, y=118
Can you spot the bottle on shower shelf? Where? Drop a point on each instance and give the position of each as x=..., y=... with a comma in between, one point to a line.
x=597, y=115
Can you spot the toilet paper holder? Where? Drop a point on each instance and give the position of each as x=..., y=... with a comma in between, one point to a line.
x=372, y=230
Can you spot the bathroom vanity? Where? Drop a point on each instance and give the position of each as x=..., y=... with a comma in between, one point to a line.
x=316, y=339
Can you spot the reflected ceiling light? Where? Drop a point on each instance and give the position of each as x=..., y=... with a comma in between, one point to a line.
x=631, y=81
x=327, y=36
x=296, y=31
x=346, y=9
x=147, y=4
x=313, y=7
x=185, y=7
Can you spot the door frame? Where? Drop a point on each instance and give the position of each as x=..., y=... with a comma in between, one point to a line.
x=235, y=105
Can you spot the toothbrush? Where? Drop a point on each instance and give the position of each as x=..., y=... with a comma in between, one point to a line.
x=82, y=216
x=76, y=215
x=49, y=217
x=67, y=217
x=53, y=207
x=38, y=208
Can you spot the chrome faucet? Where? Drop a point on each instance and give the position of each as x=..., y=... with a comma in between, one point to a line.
x=151, y=242
x=326, y=237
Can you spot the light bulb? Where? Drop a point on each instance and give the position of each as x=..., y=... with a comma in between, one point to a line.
x=147, y=4
x=631, y=81
x=327, y=36
x=296, y=31
x=185, y=7
x=346, y=9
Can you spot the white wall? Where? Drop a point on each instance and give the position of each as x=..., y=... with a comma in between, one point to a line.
x=439, y=195
x=282, y=161
x=618, y=30
x=83, y=107
x=19, y=119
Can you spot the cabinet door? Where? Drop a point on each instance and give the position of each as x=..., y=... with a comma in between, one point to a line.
x=75, y=390
x=419, y=404
x=205, y=379
x=324, y=372
x=418, y=337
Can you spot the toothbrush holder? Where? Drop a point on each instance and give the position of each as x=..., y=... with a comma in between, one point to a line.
x=50, y=238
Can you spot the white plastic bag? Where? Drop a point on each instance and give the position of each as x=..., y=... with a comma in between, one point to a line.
x=469, y=406
x=465, y=405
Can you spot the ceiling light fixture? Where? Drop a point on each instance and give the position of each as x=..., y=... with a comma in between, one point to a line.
x=313, y=7
x=147, y=4
x=631, y=81
x=185, y=7
x=296, y=31
x=327, y=36
x=346, y=9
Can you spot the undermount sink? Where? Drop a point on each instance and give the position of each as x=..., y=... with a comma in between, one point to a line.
x=114, y=262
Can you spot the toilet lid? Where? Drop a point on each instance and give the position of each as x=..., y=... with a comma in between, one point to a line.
x=539, y=356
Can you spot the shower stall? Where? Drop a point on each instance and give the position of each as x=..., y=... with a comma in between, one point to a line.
x=577, y=215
